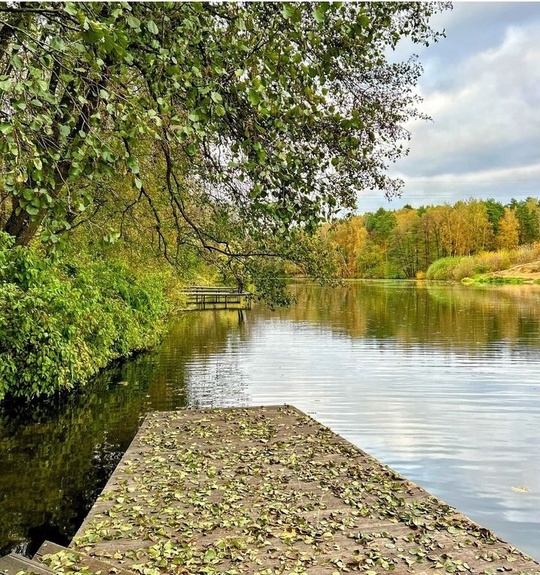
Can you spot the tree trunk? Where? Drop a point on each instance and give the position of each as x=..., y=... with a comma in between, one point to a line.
x=21, y=227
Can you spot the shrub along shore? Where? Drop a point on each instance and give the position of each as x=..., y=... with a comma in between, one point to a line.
x=503, y=266
x=64, y=319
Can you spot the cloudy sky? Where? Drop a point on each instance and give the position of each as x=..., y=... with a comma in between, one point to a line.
x=481, y=87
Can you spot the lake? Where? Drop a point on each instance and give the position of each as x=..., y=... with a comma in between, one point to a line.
x=440, y=382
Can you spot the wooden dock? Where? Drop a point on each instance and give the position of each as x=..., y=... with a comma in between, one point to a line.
x=217, y=297
x=271, y=491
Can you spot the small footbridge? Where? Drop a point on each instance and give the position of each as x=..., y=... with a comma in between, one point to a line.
x=217, y=297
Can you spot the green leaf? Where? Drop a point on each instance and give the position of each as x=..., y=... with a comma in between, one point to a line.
x=288, y=11
x=58, y=44
x=253, y=96
x=17, y=62
x=70, y=9
x=133, y=22
x=210, y=555
x=151, y=27
x=32, y=210
x=133, y=165
x=94, y=34
x=364, y=21
x=6, y=129
x=194, y=116
x=216, y=97
x=319, y=10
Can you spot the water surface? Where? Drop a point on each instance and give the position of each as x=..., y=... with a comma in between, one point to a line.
x=439, y=382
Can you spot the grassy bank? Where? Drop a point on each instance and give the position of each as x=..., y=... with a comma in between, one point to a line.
x=503, y=266
x=63, y=320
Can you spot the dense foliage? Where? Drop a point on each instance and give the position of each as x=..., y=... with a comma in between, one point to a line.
x=257, y=118
x=405, y=243
x=62, y=321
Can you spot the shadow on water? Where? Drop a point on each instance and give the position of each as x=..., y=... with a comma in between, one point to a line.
x=57, y=455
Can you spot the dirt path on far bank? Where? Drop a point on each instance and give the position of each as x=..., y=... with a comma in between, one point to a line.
x=530, y=270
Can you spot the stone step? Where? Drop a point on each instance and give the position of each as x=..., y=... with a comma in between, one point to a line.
x=14, y=563
x=77, y=560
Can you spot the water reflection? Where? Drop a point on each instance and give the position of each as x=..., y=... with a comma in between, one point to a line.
x=440, y=382
x=54, y=459
x=442, y=315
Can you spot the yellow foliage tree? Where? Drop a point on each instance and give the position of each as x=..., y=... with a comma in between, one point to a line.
x=508, y=235
x=349, y=237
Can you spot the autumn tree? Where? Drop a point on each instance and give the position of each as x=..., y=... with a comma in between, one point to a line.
x=430, y=229
x=264, y=118
x=464, y=228
x=508, y=235
x=372, y=260
x=349, y=236
x=406, y=242
x=448, y=232
x=479, y=227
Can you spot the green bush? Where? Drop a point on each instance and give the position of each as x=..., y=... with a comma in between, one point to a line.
x=63, y=321
x=443, y=269
x=37, y=354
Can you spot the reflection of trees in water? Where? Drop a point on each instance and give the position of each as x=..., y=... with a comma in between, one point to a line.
x=489, y=314
x=55, y=457
x=442, y=315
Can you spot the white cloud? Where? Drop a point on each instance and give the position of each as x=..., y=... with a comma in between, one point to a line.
x=481, y=86
x=492, y=108
x=496, y=175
